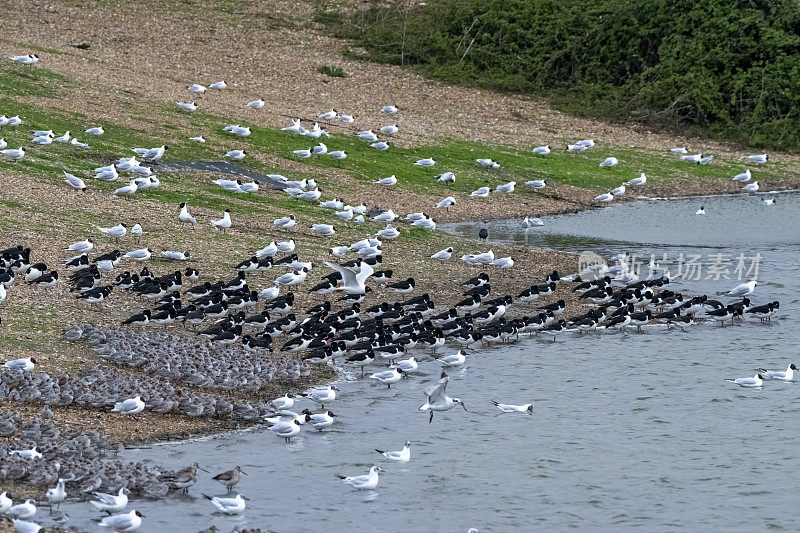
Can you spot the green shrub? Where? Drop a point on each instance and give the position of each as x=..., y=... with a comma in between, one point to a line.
x=724, y=67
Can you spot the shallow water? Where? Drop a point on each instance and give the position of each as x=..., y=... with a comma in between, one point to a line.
x=629, y=430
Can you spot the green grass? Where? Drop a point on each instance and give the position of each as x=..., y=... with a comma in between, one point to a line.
x=334, y=71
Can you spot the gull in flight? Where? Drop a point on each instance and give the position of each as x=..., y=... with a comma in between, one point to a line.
x=401, y=456
x=510, y=408
x=352, y=282
x=755, y=381
x=438, y=400
x=365, y=482
x=228, y=505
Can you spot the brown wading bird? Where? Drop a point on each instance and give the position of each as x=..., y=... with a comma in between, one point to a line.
x=230, y=478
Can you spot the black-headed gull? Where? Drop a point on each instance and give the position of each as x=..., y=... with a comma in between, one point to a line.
x=488, y=163
x=187, y=106
x=743, y=177
x=365, y=482
x=751, y=187
x=352, y=282
x=218, y=85
x=74, y=181
x=536, y=184
x=701, y=211
x=222, y=223
x=638, y=182
x=401, y=456
x=744, y=289
x=389, y=109
x=541, y=150
x=426, y=162
x=443, y=255
x=123, y=522
x=184, y=215
x=131, y=406
x=256, y=104
x=482, y=192
x=388, y=376
x=506, y=188
x=236, y=155
x=758, y=159
x=605, y=197
x=96, y=130
x=438, y=400
x=779, y=375
x=609, y=162
x=755, y=381
x=230, y=506
x=15, y=154
x=510, y=408
x=386, y=182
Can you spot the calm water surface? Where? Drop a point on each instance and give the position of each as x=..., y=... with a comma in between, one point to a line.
x=633, y=430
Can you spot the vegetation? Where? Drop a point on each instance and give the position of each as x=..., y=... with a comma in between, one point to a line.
x=334, y=71
x=726, y=68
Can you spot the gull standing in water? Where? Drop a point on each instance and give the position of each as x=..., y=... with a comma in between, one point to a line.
x=124, y=522
x=401, y=456
x=438, y=400
x=744, y=289
x=365, y=482
x=111, y=503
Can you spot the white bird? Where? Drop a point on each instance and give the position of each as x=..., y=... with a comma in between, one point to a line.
x=229, y=506
x=456, y=359
x=23, y=510
x=251, y=186
x=352, y=282
x=345, y=214
x=701, y=211
x=222, y=223
x=576, y=148
x=76, y=142
x=123, y=523
x=779, y=375
x=137, y=231
x=296, y=127
x=256, y=104
x=503, y=262
x=531, y=222
x=63, y=138
x=386, y=182
x=302, y=154
x=184, y=215
x=33, y=453
x=196, y=88
x=14, y=121
x=488, y=163
x=541, y=150
x=536, y=184
x=638, y=182
x=758, y=159
x=743, y=289
x=769, y=201
x=506, y=188
x=320, y=421
x=425, y=223
x=236, y=155
x=438, y=400
x=743, y=177
x=388, y=376
x=401, y=456
x=588, y=143
x=338, y=154
x=755, y=381
x=319, y=149
x=218, y=85
x=365, y=482
x=97, y=130
x=286, y=430
x=239, y=131
x=324, y=230
x=23, y=526
x=81, y=246
x=605, y=197
x=15, y=154
x=367, y=135
x=706, y=160
x=510, y=408
x=390, y=129
x=321, y=395
x=446, y=177
x=408, y=366
x=346, y=119
x=30, y=59
x=751, y=187
x=110, y=502
x=3, y=144
x=381, y=146
x=118, y=231
x=609, y=162
x=681, y=150
x=447, y=202
x=127, y=190
x=286, y=247
x=329, y=115
x=619, y=191
x=386, y=216
x=291, y=279
x=187, y=106
x=74, y=181
x=43, y=139
x=5, y=503
x=287, y=222
x=131, y=406
x=389, y=109
x=57, y=494
x=692, y=158
x=443, y=255
x=151, y=154
x=483, y=192
x=142, y=254
x=175, y=255
x=426, y=162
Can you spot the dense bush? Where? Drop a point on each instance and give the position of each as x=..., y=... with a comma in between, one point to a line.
x=726, y=67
